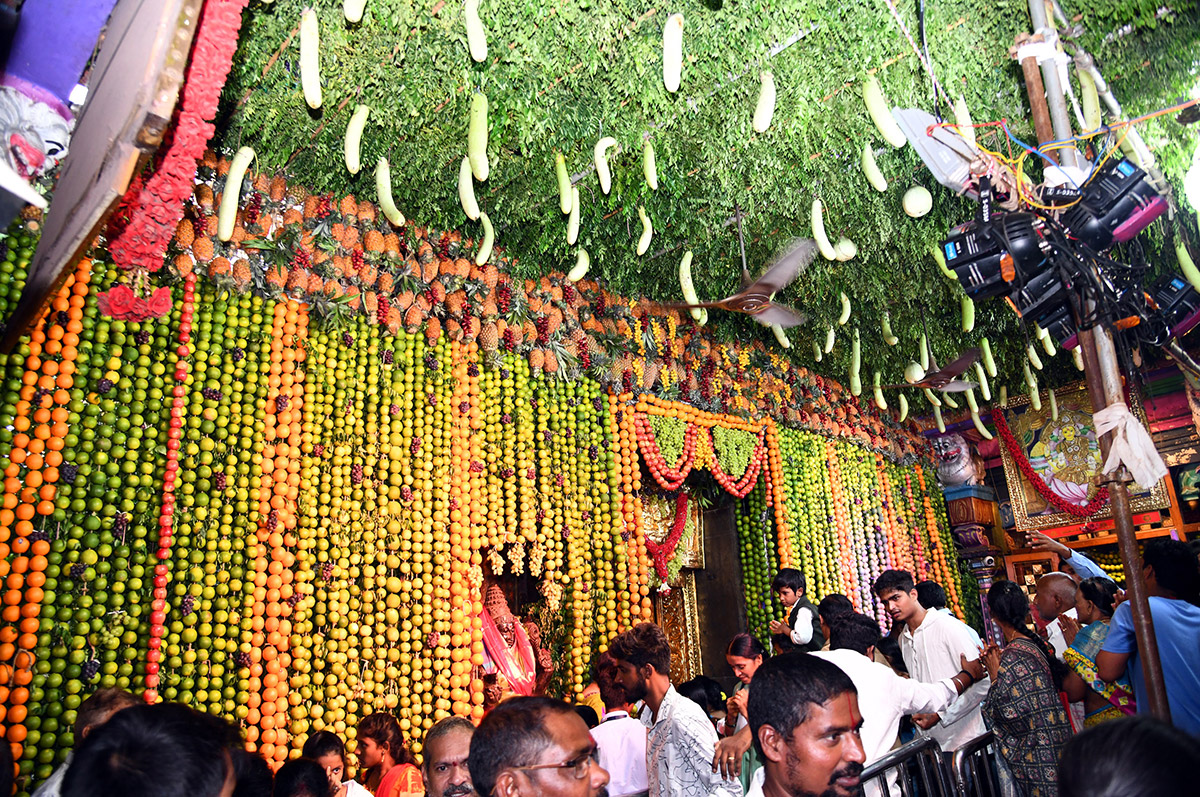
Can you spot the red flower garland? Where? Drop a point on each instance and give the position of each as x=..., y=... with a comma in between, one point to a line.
x=663, y=552
x=166, y=524
x=155, y=210
x=1099, y=500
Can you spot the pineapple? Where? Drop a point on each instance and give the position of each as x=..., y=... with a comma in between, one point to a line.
x=453, y=329
x=184, y=234
x=385, y=283
x=455, y=302
x=394, y=319
x=219, y=267
x=183, y=264
x=537, y=359
x=405, y=299
x=202, y=248
x=412, y=318
x=529, y=332
x=316, y=284
x=278, y=188
x=312, y=203
x=211, y=224
x=368, y=275
x=366, y=212
x=291, y=217
x=297, y=280
x=391, y=244
x=261, y=183
x=204, y=196
x=373, y=241
x=433, y=330
x=438, y=292
x=349, y=208
x=489, y=337
x=491, y=276
x=242, y=275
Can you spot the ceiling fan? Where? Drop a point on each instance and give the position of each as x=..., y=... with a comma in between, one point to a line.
x=935, y=378
x=754, y=297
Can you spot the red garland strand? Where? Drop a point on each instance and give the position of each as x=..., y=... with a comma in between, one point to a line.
x=155, y=211
x=166, y=518
x=663, y=552
x=741, y=487
x=1093, y=506
x=670, y=477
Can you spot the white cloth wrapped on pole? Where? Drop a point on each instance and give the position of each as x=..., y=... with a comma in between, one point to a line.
x=1131, y=445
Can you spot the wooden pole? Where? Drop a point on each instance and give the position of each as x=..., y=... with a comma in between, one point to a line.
x=1104, y=389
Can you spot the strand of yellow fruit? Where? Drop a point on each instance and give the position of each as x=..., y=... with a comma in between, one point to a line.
x=616, y=499
x=472, y=700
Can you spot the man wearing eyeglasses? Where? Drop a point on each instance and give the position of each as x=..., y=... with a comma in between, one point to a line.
x=530, y=746
x=680, y=738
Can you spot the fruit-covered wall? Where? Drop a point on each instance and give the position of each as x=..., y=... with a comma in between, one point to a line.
x=279, y=501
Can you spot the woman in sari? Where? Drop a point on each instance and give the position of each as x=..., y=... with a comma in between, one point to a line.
x=1102, y=701
x=745, y=655
x=1023, y=706
x=391, y=771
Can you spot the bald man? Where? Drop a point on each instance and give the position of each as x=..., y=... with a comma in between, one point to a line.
x=1055, y=599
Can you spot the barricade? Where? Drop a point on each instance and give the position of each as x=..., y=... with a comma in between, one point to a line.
x=920, y=770
x=974, y=768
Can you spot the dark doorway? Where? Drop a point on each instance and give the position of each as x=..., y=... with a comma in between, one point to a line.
x=719, y=600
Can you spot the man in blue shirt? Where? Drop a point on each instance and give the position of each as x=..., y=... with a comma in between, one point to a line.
x=1173, y=582
x=1070, y=562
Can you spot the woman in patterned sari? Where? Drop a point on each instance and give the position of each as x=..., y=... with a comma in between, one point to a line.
x=1023, y=706
x=1103, y=701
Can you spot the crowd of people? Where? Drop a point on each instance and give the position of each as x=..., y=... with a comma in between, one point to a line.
x=1064, y=699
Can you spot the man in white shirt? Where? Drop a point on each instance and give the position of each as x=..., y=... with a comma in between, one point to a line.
x=883, y=696
x=620, y=738
x=805, y=721
x=680, y=737
x=933, y=645
x=932, y=595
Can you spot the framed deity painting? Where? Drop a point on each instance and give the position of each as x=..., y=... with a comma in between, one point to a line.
x=1064, y=455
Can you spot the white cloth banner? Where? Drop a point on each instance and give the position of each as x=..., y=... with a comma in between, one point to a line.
x=1131, y=445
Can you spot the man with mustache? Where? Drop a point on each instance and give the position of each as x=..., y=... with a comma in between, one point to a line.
x=446, y=748
x=680, y=738
x=805, y=720
x=531, y=746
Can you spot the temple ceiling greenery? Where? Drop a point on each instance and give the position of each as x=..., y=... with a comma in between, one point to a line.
x=560, y=75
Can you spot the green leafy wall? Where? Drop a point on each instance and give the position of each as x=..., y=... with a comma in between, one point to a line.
x=561, y=74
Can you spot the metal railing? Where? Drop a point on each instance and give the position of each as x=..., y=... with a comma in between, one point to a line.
x=918, y=769
x=975, y=769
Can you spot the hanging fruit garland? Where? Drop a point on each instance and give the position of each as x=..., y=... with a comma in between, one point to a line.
x=165, y=523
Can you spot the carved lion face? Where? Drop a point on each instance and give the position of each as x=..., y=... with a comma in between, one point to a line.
x=34, y=137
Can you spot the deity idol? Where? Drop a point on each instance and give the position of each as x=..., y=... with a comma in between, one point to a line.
x=508, y=653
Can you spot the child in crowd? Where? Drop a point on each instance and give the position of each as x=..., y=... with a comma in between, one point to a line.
x=801, y=631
